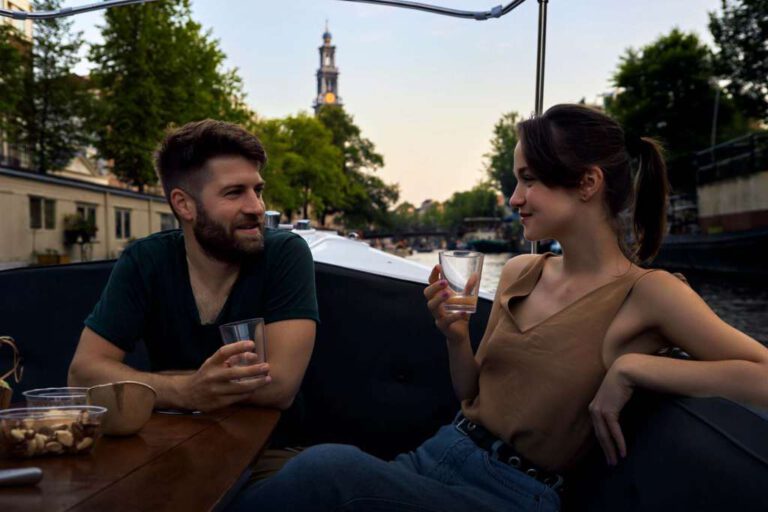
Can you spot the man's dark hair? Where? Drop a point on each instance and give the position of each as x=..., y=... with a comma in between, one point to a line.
x=182, y=156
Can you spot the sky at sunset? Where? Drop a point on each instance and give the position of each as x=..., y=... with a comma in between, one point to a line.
x=428, y=89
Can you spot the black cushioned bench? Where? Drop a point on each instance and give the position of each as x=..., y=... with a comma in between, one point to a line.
x=379, y=379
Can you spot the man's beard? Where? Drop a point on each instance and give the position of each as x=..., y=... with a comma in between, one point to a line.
x=221, y=243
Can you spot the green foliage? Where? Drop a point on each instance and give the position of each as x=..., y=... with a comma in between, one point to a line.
x=666, y=91
x=51, y=114
x=366, y=199
x=278, y=194
x=740, y=35
x=501, y=160
x=480, y=201
x=76, y=222
x=359, y=152
x=78, y=229
x=11, y=76
x=305, y=168
x=156, y=68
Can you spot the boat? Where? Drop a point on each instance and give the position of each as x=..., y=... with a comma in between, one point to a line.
x=723, y=227
x=379, y=376
x=483, y=234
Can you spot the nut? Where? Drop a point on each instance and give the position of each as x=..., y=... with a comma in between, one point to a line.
x=40, y=441
x=84, y=444
x=64, y=437
x=18, y=434
x=54, y=447
x=31, y=448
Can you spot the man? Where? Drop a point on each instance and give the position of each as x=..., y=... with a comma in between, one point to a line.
x=173, y=289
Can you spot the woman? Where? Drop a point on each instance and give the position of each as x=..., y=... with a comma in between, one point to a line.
x=567, y=341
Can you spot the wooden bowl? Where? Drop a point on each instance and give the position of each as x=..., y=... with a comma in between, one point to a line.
x=129, y=405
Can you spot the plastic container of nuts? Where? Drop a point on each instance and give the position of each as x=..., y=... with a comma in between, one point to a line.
x=56, y=397
x=36, y=431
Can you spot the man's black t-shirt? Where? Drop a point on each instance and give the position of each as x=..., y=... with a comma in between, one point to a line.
x=149, y=297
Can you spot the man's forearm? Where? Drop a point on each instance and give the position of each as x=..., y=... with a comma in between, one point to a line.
x=277, y=394
x=169, y=385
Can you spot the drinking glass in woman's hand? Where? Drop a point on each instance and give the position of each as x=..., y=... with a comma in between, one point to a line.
x=462, y=271
x=455, y=326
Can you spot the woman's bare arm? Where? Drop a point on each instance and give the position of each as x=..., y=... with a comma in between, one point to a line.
x=728, y=362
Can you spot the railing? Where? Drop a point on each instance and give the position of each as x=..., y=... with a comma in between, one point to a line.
x=738, y=157
x=15, y=157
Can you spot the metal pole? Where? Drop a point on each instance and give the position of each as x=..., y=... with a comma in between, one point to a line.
x=540, y=59
x=713, y=133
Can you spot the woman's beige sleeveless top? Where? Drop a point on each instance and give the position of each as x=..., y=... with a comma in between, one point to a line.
x=535, y=385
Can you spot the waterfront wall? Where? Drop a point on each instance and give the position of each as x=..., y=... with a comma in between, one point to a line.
x=734, y=204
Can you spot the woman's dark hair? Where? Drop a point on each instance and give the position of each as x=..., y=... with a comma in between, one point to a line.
x=182, y=156
x=560, y=145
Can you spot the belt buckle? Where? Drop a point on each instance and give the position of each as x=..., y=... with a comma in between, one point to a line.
x=557, y=485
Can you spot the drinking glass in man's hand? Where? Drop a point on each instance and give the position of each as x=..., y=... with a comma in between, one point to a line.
x=244, y=330
x=462, y=271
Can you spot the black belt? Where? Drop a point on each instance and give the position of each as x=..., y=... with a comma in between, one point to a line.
x=503, y=452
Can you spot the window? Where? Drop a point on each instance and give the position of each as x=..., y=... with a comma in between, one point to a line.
x=88, y=212
x=167, y=221
x=42, y=213
x=122, y=224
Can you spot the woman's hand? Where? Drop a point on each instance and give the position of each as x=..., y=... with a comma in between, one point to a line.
x=454, y=326
x=614, y=393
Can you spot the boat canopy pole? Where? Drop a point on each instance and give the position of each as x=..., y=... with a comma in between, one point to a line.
x=495, y=12
x=67, y=11
x=541, y=48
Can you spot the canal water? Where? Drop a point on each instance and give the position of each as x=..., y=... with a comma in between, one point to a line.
x=739, y=300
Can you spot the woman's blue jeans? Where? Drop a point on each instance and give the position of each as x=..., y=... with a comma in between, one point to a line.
x=446, y=473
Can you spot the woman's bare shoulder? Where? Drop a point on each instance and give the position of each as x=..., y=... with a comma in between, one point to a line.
x=659, y=281
x=659, y=287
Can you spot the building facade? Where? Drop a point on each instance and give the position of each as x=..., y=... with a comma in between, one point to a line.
x=34, y=208
x=327, y=74
x=10, y=154
x=23, y=26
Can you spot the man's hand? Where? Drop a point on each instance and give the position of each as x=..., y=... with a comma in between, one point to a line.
x=218, y=383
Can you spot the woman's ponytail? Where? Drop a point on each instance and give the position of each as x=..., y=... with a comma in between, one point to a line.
x=650, y=204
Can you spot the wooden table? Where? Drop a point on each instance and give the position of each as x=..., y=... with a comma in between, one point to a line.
x=176, y=462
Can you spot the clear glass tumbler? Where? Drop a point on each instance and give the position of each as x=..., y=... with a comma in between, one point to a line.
x=243, y=330
x=462, y=270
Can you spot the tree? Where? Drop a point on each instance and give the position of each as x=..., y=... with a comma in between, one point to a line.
x=667, y=91
x=740, y=34
x=55, y=105
x=11, y=77
x=367, y=199
x=279, y=194
x=359, y=153
x=501, y=160
x=306, y=161
x=156, y=68
x=480, y=201
x=370, y=203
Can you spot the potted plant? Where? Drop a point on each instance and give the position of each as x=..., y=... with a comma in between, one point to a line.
x=51, y=257
x=78, y=229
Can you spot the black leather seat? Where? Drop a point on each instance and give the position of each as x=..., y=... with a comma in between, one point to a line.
x=379, y=379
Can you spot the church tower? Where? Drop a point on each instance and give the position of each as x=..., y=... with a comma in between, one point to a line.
x=327, y=75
